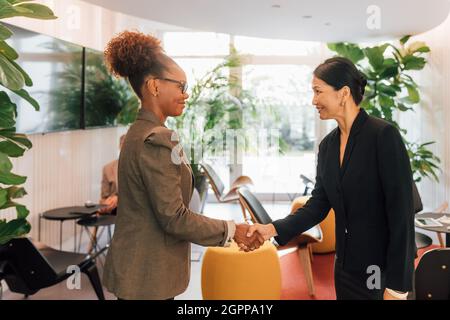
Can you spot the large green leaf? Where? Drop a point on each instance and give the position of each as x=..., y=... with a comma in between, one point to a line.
x=25, y=75
x=385, y=101
x=423, y=49
x=25, y=95
x=20, y=138
x=390, y=67
x=38, y=11
x=19, y=1
x=15, y=192
x=348, y=50
x=8, y=51
x=8, y=11
x=375, y=56
x=402, y=107
x=10, y=76
x=11, y=149
x=6, y=177
x=5, y=33
x=5, y=163
x=3, y=197
x=22, y=211
x=413, y=63
x=413, y=94
x=7, y=111
x=13, y=229
x=16, y=137
x=387, y=90
x=11, y=179
x=404, y=39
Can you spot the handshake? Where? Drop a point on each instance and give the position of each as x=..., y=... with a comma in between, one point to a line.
x=251, y=237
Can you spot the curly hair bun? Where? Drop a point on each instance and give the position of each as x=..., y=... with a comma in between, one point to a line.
x=132, y=53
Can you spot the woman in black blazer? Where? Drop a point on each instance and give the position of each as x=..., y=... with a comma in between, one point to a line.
x=364, y=174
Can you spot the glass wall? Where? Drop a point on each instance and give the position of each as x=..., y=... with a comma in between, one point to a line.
x=278, y=73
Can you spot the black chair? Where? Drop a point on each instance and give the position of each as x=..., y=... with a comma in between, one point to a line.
x=308, y=183
x=219, y=188
x=302, y=242
x=422, y=240
x=28, y=267
x=432, y=276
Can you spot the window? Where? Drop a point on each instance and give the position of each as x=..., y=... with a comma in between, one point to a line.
x=278, y=73
x=286, y=96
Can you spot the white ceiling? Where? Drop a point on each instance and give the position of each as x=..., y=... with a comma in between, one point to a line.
x=316, y=20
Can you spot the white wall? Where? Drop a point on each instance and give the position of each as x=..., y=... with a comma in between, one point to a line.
x=64, y=168
x=434, y=111
x=85, y=24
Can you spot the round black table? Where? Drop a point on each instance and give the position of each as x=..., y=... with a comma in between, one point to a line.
x=67, y=213
x=442, y=229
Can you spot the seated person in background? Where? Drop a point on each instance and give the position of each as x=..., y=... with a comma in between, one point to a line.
x=110, y=185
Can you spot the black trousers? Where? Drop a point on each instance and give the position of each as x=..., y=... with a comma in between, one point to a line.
x=354, y=286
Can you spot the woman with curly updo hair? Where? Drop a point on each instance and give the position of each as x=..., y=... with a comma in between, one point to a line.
x=149, y=257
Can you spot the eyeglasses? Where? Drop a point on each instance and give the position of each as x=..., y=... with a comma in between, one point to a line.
x=181, y=84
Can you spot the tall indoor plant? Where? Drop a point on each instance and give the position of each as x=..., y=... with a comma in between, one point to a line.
x=14, y=79
x=391, y=88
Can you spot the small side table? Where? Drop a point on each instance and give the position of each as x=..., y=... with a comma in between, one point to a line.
x=442, y=229
x=65, y=214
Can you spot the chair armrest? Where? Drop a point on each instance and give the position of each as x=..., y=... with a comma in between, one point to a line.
x=240, y=182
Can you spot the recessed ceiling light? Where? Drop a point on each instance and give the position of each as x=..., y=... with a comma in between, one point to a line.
x=277, y=6
x=327, y=24
x=307, y=17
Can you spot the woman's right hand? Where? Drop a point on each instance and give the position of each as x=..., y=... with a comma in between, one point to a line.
x=267, y=231
x=111, y=204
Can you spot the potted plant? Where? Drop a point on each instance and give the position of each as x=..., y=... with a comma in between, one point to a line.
x=390, y=88
x=210, y=111
x=12, y=144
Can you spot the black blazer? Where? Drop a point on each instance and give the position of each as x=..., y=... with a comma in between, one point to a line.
x=371, y=195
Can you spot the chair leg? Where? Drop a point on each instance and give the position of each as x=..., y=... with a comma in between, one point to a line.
x=311, y=255
x=441, y=239
x=244, y=213
x=94, y=278
x=306, y=264
x=93, y=240
x=80, y=238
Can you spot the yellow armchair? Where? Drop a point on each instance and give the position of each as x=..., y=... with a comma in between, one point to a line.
x=328, y=243
x=230, y=274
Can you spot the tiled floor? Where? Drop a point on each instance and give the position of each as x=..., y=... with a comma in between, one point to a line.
x=193, y=292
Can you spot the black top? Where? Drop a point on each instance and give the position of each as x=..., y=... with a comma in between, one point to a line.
x=371, y=195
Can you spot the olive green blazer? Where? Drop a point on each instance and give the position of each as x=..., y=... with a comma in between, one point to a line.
x=149, y=257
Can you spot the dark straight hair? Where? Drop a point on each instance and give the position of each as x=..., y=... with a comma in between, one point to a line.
x=339, y=72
